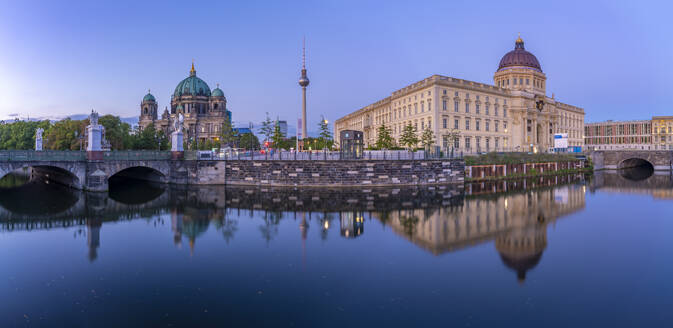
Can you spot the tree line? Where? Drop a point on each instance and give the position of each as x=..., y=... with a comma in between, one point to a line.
x=409, y=139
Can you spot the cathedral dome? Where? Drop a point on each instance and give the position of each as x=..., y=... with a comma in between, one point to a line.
x=149, y=97
x=192, y=85
x=519, y=58
x=218, y=92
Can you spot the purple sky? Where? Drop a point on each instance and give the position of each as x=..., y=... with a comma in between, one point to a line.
x=59, y=58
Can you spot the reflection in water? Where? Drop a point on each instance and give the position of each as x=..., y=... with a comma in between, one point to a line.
x=637, y=173
x=659, y=184
x=135, y=192
x=514, y=214
x=15, y=179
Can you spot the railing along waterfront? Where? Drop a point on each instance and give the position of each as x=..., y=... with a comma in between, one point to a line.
x=137, y=155
x=41, y=156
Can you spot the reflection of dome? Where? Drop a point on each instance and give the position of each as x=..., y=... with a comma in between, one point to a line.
x=192, y=85
x=521, y=263
x=149, y=97
x=519, y=58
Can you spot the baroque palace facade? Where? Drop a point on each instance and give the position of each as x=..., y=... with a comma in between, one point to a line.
x=514, y=114
x=204, y=111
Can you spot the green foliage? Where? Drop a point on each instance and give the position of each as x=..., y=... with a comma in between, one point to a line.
x=409, y=137
x=384, y=140
x=427, y=138
x=116, y=132
x=515, y=158
x=324, y=139
x=228, y=137
x=65, y=135
x=20, y=134
x=267, y=128
x=277, y=138
x=248, y=141
x=149, y=139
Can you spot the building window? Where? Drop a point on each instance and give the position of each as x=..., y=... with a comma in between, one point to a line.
x=496, y=126
x=467, y=107
x=422, y=107
x=487, y=124
x=456, y=143
x=444, y=123
x=514, y=82
x=416, y=108
x=455, y=106
x=496, y=143
x=488, y=144
x=504, y=125
x=487, y=109
x=476, y=108
x=467, y=142
x=444, y=103
x=476, y=124
x=477, y=142
x=495, y=110
x=467, y=123
x=504, y=112
x=520, y=80
x=455, y=124
x=527, y=81
x=444, y=91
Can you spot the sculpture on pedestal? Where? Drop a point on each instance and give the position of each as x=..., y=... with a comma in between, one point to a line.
x=38, y=139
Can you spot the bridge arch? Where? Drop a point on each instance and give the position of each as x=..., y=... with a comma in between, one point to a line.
x=139, y=172
x=54, y=172
x=634, y=162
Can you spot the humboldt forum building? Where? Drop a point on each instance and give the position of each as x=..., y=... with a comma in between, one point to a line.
x=513, y=114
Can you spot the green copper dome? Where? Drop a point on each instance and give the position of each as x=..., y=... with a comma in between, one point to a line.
x=149, y=97
x=192, y=86
x=218, y=93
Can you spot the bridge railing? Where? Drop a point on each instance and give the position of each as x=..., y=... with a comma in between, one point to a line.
x=42, y=156
x=137, y=155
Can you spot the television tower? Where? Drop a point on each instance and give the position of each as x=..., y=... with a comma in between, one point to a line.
x=303, y=82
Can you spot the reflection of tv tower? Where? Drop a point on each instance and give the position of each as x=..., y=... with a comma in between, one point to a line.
x=93, y=237
x=303, y=227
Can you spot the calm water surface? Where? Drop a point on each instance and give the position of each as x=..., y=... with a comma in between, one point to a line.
x=552, y=252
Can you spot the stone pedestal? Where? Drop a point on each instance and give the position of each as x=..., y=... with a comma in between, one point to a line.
x=38, y=144
x=94, y=137
x=177, y=142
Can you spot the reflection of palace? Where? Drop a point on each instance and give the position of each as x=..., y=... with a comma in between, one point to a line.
x=516, y=221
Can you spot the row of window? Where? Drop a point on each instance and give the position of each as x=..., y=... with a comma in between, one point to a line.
x=477, y=124
x=505, y=82
x=467, y=143
x=618, y=129
x=477, y=108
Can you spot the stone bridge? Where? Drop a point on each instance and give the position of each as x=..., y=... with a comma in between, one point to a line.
x=621, y=159
x=93, y=171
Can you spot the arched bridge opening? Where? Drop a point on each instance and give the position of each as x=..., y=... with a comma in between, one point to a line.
x=636, y=169
x=136, y=177
x=22, y=175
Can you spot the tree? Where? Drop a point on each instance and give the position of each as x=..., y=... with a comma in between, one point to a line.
x=409, y=137
x=228, y=136
x=267, y=128
x=453, y=138
x=277, y=137
x=427, y=138
x=248, y=141
x=324, y=139
x=384, y=140
x=116, y=131
x=146, y=139
x=20, y=134
x=63, y=135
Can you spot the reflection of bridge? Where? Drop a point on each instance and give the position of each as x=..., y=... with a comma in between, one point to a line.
x=619, y=159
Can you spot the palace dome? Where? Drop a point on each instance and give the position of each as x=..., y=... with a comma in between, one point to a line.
x=519, y=58
x=192, y=85
x=149, y=97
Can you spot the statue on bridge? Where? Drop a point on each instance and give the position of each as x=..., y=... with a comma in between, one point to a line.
x=38, y=139
x=177, y=136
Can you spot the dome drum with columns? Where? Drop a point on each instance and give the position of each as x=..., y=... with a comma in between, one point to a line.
x=204, y=111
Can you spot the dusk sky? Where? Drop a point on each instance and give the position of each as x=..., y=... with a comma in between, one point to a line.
x=57, y=58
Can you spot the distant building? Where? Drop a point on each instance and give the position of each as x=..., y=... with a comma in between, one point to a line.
x=283, y=127
x=204, y=111
x=662, y=133
x=514, y=114
x=616, y=135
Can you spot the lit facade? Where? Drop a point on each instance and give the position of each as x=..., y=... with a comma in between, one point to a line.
x=204, y=111
x=662, y=132
x=513, y=115
x=611, y=135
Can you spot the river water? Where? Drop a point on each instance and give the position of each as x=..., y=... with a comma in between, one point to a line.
x=552, y=252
